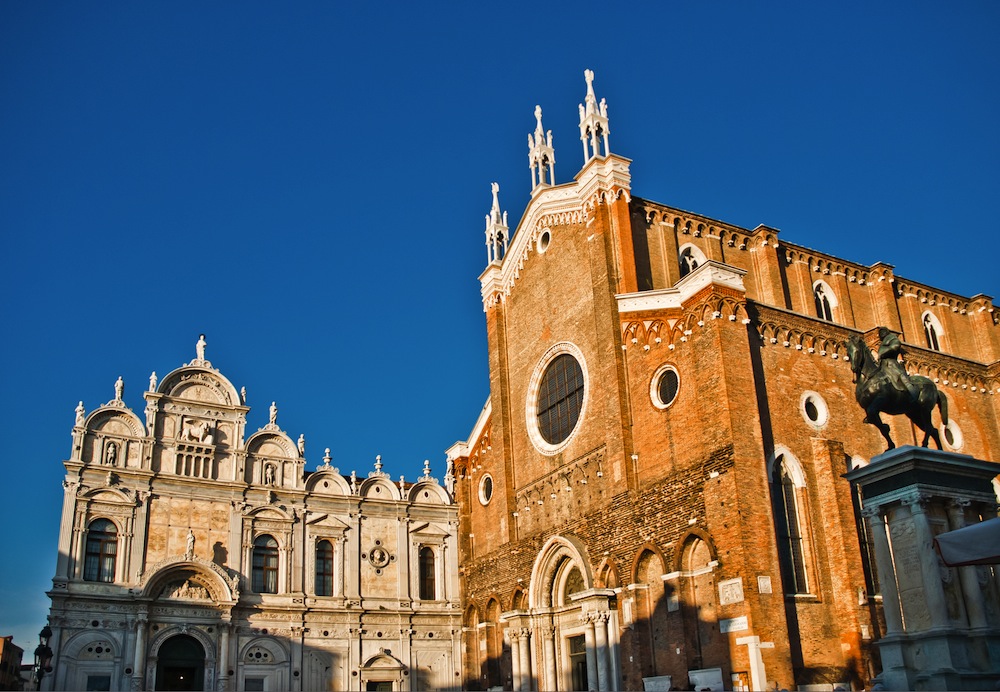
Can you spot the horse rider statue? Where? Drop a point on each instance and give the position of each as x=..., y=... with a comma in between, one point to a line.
x=885, y=387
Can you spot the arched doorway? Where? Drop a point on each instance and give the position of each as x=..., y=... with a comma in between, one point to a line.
x=181, y=664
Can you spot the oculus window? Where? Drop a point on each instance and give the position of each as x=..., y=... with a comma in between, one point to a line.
x=556, y=398
x=560, y=399
x=664, y=386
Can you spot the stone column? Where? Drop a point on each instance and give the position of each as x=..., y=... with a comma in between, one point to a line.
x=515, y=658
x=600, y=624
x=224, y=656
x=975, y=603
x=139, y=659
x=525, y=659
x=590, y=638
x=930, y=570
x=886, y=571
x=549, y=657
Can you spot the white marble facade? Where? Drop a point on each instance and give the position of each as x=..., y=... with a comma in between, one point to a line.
x=195, y=556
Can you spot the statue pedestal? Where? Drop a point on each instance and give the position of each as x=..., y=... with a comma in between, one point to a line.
x=942, y=623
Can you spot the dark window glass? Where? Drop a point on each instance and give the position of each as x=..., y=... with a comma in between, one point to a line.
x=811, y=410
x=264, y=576
x=487, y=489
x=688, y=262
x=560, y=399
x=102, y=550
x=578, y=662
x=324, y=569
x=931, y=333
x=789, y=531
x=426, y=577
x=823, y=309
x=668, y=387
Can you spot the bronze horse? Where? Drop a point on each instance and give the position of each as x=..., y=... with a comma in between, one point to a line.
x=876, y=395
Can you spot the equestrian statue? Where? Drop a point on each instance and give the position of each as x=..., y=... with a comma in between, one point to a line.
x=885, y=387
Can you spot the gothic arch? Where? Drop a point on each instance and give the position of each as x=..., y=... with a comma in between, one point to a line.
x=550, y=560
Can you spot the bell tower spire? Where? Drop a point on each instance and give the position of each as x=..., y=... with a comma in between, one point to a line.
x=593, y=122
x=541, y=156
x=496, y=230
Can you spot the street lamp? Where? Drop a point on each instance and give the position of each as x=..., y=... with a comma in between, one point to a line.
x=43, y=656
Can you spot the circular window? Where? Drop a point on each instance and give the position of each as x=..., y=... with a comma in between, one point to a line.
x=486, y=489
x=664, y=386
x=543, y=241
x=813, y=409
x=556, y=398
x=952, y=435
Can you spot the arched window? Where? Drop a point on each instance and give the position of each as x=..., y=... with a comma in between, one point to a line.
x=102, y=551
x=264, y=575
x=324, y=569
x=932, y=331
x=787, y=493
x=824, y=306
x=425, y=559
x=690, y=258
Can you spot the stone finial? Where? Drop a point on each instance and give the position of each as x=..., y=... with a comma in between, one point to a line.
x=327, y=458
x=119, y=388
x=593, y=122
x=378, y=463
x=427, y=468
x=80, y=412
x=152, y=381
x=541, y=155
x=496, y=229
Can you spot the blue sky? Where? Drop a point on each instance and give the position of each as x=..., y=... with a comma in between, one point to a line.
x=307, y=185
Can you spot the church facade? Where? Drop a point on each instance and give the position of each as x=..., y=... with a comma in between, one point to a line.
x=193, y=555
x=653, y=495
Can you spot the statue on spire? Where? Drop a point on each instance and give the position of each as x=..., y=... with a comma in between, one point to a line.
x=541, y=155
x=496, y=229
x=593, y=122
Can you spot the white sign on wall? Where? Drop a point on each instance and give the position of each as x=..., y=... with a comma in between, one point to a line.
x=739, y=624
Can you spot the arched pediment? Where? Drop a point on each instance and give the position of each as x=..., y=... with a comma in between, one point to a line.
x=96, y=643
x=113, y=420
x=200, y=384
x=428, y=493
x=204, y=580
x=271, y=443
x=263, y=650
x=383, y=661
x=379, y=488
x=270, y=512
x=550, y=560
x=108, y=494
x=327, y=482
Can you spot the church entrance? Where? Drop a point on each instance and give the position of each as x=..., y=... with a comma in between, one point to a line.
x=181, y=664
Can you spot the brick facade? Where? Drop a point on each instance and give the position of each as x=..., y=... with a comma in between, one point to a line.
x=653, y=528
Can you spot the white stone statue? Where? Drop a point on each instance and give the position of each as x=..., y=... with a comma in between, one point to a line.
x=199, y=348
x=80, y=411
x=243, y=395
x=110, y=454
x=273, y=413
x=152, y=381
x=269, y=474
x=302, y=445
x=119, y=388
x=189, y=548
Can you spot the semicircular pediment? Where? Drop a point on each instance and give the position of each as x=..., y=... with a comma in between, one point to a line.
x=199, y=384
x=272, y=444
x=190, y=579
x=327, y=483
x=115, y=421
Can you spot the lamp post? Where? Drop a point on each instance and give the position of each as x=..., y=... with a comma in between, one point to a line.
x=43, y=656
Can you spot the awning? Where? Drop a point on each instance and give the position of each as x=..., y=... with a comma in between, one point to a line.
x=978, y=544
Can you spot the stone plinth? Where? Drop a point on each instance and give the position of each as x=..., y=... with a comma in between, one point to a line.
x=943, y=623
